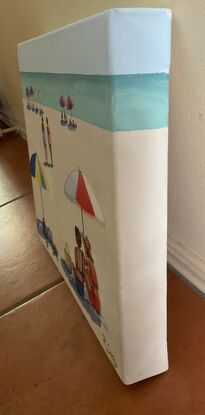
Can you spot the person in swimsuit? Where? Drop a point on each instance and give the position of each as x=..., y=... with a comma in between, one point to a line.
x=65, y=121
x=91, y=277
x=49, y=141
x=79, y=264
x=44, y=141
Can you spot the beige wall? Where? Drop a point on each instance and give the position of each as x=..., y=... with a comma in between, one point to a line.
x=24, y=19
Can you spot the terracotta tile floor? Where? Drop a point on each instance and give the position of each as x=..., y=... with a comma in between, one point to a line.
x=25, y=265
x=50, y=361
x=14, y=168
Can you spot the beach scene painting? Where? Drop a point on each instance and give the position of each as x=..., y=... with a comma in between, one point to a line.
x=82, y=273
x=96, y=112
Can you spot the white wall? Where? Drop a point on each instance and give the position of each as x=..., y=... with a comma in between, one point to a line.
x=186, y=224
x=24, y=19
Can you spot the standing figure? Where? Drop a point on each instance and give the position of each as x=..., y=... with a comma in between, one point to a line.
x=39, y=99
x=31, y=95
x=44, y=141
x=49, y=141
x=35, y=94
x=79, y=264
x=91, y=277
x=28, y=98
x=62, y=103
x=65, y=118
x=67, y=257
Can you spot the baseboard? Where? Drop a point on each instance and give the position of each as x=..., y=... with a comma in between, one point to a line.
x=22, y=132
x=8, y=121
x=187, y=263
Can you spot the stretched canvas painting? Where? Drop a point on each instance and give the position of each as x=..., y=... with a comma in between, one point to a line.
x=95, y=97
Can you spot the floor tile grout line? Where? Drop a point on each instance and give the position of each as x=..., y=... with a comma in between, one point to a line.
x=15, y=198
x=30, y=298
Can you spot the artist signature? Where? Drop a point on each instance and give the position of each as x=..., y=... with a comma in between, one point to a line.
x=110, y=354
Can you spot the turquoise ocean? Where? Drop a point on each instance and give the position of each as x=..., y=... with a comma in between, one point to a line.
x=114, y=102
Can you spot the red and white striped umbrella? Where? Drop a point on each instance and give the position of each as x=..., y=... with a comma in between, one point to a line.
x=78, y=190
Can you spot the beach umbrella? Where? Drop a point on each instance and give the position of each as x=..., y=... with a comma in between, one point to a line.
x=38, y=173
x=31, y=95
x=35, y=95
x=39, y=96
x=27, y=92
x=28, y=96
x=62, y=101
x=31, y=91
x=70, y=103
x=79, y=191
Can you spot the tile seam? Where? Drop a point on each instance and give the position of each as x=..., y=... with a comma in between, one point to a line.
x=30, y=298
